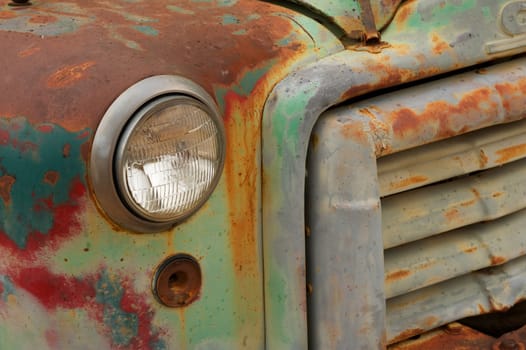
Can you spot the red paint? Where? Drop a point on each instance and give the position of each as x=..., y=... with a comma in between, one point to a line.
x=55, y=291
x=4, y=137
x=136, y=303
x=45, y=128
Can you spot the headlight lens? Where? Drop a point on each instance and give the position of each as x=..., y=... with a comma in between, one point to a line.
x=169, y=158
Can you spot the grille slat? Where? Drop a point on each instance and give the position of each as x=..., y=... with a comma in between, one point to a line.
x=431, y=210
x=446, y=159
x=472, y=294
x=426, y=262
x=469, y=214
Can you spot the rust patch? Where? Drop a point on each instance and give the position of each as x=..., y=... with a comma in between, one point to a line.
x=51, y=177
x=497, y=194
x=406, y=334
x=483, y=159
x=403, y=13
x=28, y=52
x=42, y=19
x=468, y=203
x=513, y=96
x=397, y=275
x=68, y=75
x=497, y=260
x=6, y=183
x=66, y=150
x=481, y=309
x=454, y=336
x=7, y=14
x=452, y=215
x=511, y=153
x=443, y=118
x=470, y=250
x=413, y=180
x=439, y=45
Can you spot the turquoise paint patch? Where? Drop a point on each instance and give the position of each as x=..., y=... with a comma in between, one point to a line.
x=6, y=287
x=230, y=19
x=251, y=78
x=43, y=175
x=180, y=10
x=124, y=325
x=285, y=41
x=245, y=86
x=147, y=30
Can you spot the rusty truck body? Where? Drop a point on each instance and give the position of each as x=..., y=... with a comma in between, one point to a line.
x=241, y=174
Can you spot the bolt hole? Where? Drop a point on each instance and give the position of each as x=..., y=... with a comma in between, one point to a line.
x=177, y=280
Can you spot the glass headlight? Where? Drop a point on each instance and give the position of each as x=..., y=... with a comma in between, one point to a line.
x=168, y=158
x=157, y=154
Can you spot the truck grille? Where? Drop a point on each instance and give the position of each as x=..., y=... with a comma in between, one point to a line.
x=416, y=208
x=450, y=210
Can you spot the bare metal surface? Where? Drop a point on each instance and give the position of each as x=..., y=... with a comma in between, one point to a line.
x=344, y=246
x=452, y=157
x=425, y=38
x=493, y=289
x=426, y=262
x=431, y=210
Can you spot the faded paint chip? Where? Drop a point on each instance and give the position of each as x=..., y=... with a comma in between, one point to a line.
x=230, y=19
x=180, y=10
x=68, y=75
x=147, y=30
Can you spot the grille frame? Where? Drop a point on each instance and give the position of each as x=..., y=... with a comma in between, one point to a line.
x=343, y=196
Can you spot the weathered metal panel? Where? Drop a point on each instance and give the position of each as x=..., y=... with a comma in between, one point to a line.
x=431, y=210
x=494, y=289
x=423, y=40
x=344, y=248
x=460, y=337
x=452, y=157
x=435, y=259
x=68, y=277
x=345, y=242
x=360, y=19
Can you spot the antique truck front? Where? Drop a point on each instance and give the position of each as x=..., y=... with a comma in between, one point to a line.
x=240, y=174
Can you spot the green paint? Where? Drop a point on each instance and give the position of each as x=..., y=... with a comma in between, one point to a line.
x=28, y=156
x=147, y=30
x=230, y=19
x=434, y=14
x=487, y=13
x=124, y=325
x=180, y=10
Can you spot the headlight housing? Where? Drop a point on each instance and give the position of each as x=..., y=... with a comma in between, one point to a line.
x=157, y=154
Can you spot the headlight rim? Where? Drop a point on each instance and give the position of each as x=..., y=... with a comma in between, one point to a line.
x=102, y=176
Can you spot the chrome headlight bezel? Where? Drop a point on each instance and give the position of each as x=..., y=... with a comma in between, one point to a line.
x=128, y=108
